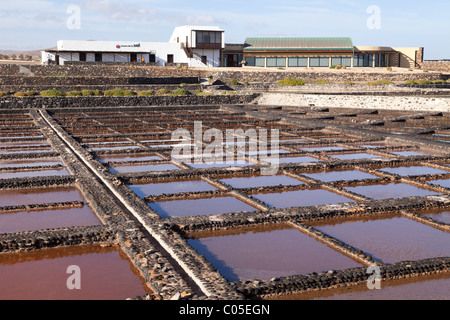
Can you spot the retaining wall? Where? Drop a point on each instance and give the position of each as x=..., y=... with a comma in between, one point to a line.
x=92, y=80
x=136, y=101
x=336, y=76
x=358, y=100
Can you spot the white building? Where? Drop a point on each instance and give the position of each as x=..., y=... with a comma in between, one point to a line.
x=195, y=46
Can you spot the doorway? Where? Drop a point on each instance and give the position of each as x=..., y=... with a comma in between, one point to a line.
x=170, y=58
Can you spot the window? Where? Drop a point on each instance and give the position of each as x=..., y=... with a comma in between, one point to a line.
x=343, y=61
x=256, y=61
x=297, y=62
x=250, y=61
x=260, y=62
x=170, y=58
x=152, y=58
x=98, y=57
x=82, y=56
x=276, y=61
x=363, y=60
x=205, y=38
x=319, y=62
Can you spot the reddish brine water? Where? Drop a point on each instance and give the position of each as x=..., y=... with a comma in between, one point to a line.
x=390, y=238
x=428, y=287
x=105, y=274
x=267, y=252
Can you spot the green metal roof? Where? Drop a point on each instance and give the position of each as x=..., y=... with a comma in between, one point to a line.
x=300, y=44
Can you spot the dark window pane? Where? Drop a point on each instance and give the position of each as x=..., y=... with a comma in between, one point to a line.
x=260, y=61
x=250, y=61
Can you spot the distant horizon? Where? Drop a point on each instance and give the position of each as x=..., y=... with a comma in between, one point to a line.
x=30, y=25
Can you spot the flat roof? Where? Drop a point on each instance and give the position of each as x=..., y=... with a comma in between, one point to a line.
x=299, y=44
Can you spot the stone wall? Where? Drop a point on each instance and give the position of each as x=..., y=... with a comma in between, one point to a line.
x=85, y=81
x=334, y=77
x=435, y=66
x=440, y=66
x=84, y=70
x=363, y=101
x=67, y=88
x=94, y=102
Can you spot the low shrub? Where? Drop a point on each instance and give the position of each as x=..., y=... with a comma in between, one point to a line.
x=20, y=94
x=234, y=82
x=349, y=83
x=439, y=82
x=379, y=83
x=423, y=82
x=202, y=93
x=119, y=93
x=3, y=93
x=91, y=93
x=180, y=92
x=410, y=82
x=74, y=94
x=291, y=82
x=52, y=93
x=146, y=93
x=321, y=81
x=32, y=93
x=163, y=91
x=245, y=83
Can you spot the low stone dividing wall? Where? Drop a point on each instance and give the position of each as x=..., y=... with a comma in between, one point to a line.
x=93, y=80
x=337, y=77
x=88, y=70
x=106, y=101
x=68, y=88
x=50, y=238
x=342, y=278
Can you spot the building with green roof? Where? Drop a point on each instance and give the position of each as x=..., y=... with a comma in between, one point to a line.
x=310, y=52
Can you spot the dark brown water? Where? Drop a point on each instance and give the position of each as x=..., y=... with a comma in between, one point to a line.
x=105, y=274
x=263, y=253
x=38, y=196
x=47, y=219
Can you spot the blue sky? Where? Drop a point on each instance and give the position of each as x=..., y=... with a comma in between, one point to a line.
x=38, y=24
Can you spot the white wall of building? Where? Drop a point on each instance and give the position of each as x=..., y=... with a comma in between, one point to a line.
x=120, y=51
